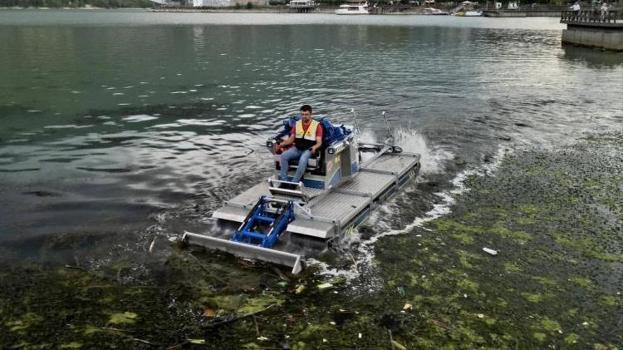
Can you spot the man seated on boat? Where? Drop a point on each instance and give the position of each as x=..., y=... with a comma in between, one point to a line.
x=306, y=135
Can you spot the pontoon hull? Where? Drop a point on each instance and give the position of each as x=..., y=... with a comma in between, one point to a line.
x=341, y=208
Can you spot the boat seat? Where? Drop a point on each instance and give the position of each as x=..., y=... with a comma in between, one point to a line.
x=315, y=164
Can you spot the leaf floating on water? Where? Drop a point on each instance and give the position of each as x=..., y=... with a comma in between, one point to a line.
x=209, y=313
x=407, y=307
x=259, y=303
x=299, y=289
x=196, y=341
x=91, y=330
x=324, y=286
x=123, y=318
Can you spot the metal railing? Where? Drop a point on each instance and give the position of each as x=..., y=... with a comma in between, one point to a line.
x=301, y=4
x=589, y=17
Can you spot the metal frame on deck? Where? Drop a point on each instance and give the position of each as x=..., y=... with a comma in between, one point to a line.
x=320, y=213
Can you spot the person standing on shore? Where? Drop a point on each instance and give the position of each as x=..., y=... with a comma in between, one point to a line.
x=604, y=10
x=576, y=8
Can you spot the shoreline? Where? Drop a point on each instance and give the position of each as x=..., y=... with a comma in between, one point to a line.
x=419, y=11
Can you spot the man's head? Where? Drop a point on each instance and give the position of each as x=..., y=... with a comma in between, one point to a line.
x=306, y=112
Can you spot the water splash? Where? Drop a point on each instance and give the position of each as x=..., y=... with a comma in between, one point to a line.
x=361, y=252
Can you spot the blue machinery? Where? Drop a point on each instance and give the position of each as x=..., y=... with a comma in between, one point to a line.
x=269, y=214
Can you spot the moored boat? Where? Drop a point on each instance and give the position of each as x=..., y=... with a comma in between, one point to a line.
x=353, y=9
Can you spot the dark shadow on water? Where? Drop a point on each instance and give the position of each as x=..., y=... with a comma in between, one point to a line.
x=592, y=57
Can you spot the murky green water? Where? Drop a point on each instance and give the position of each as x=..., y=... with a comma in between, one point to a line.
x=123, y=128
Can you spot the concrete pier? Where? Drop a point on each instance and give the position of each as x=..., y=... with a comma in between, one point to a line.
x=593, y=29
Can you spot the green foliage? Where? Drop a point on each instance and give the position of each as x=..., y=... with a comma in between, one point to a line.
x=76, y=3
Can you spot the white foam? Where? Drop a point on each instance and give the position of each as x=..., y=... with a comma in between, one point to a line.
x=137, y=118
x=432, y=162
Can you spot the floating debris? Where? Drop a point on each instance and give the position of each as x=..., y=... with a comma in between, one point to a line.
x=152, y=245
x=397, y=345
x=490, y=251
x=209, y=313
x=324, y=286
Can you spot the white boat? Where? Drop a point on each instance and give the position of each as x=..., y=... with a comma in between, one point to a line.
x=473, y=13
x=353, y=9
x=434, y=12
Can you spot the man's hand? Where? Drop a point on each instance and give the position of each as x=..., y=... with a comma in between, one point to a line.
x=313, y=151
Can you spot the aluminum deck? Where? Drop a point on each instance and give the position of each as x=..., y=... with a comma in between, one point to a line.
x=343, y=206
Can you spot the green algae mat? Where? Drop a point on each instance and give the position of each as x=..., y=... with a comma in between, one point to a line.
x=555, y=218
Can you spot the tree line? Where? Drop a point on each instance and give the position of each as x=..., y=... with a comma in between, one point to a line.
x=76, y=3
x=147, y=3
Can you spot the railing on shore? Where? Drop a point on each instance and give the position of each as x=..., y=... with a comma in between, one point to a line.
x=302, y=6
x=589, y=17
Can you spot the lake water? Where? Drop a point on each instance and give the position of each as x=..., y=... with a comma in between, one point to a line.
x=119, y=127
x=112, y=117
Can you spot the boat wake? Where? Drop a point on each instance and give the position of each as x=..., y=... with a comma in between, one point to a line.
x=361, y=251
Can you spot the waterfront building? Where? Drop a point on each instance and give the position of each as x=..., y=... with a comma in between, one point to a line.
x=302, y=5
x=212, y=3
x=227, y=3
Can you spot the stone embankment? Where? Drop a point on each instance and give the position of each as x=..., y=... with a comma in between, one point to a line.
x=591, y=28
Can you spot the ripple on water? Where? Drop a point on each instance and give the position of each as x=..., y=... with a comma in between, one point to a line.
x=166, y=126
x=67, y=126
x=104, y=170
x=185, y=146
x=201, y=122
x=138, y=118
